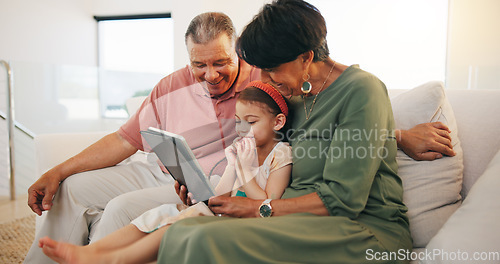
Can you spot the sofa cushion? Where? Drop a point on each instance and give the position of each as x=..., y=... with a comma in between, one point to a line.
x=431, y=188
x=473, y=228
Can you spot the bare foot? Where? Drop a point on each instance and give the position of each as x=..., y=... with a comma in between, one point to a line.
x=57, y=251
x=66, y=253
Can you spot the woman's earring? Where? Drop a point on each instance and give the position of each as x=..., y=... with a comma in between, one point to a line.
x=306, y=86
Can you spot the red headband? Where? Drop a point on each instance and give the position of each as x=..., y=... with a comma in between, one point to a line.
x=271, y=91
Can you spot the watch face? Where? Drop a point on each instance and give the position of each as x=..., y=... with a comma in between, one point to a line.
x=265, y=210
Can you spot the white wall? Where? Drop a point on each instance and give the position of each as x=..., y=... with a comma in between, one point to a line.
x=241, y=12
x=64, y=32
x=52, y=31
x=474, y=45
x=59, y=31
x=44, y=38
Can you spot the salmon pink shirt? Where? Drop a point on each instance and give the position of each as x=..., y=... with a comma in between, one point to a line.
x=181, y=105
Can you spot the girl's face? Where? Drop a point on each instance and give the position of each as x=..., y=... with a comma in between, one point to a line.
x=253, y=119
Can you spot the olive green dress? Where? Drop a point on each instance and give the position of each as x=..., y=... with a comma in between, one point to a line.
x=345, y=152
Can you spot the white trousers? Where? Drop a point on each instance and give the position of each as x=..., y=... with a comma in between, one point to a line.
x=90, y=205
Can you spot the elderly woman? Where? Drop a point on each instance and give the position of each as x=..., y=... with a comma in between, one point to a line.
x=344, y=203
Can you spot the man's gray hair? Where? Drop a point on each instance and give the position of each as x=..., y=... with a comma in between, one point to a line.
x=207, y=27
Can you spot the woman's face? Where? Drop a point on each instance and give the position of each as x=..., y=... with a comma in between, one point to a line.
x=287, y=77
x=254, y=120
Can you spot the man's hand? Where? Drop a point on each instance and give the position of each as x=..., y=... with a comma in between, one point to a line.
x=40, y=194
x=428, y=141
x=241, y=207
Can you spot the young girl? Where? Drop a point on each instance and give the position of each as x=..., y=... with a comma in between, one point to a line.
x=259, y=167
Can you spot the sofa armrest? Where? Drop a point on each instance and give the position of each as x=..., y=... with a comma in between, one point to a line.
x=53, y=149
x=473, y=229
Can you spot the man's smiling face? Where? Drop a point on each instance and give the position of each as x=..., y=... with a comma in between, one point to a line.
x=214, y=64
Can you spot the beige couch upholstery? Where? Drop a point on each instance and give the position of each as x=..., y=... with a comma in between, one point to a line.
x=478, y=124
x=469, y=232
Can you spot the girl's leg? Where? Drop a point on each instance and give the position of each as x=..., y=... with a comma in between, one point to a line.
x=141, y=251
x=120, y=238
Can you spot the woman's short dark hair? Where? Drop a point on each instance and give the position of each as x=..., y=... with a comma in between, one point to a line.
x=280, y=32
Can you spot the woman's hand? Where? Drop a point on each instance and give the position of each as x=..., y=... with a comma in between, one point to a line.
x=428, y=141
x=182, y=192
x=240, y=207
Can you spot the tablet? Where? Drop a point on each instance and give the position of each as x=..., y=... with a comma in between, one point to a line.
x=175, y=154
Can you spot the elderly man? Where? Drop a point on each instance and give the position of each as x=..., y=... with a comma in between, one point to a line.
x=197, y=102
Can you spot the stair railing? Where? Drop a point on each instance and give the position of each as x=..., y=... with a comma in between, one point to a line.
x=10, y=129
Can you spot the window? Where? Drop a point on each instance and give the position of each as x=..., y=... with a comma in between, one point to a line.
x=135, y=52
x=403, y=42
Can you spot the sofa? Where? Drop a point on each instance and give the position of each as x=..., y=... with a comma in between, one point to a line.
x=453, y=202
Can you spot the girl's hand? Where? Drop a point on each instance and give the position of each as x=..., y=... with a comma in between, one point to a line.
x=240, y=207
x=230, y=154
x=182, y=192
x=247, y=154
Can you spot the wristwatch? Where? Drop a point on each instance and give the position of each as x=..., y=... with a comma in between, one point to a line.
x=265, y=209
